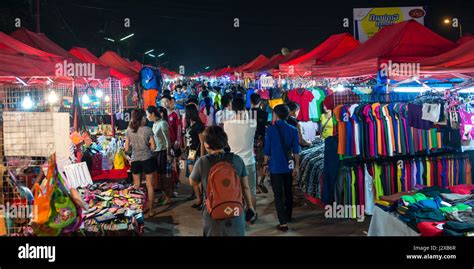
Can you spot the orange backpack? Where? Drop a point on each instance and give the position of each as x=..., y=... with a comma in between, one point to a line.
x=224, y=192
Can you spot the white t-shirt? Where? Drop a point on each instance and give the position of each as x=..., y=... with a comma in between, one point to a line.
x=241, y=135
x=224, y=115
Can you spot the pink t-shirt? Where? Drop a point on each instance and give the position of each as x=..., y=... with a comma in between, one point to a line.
x=303, y=99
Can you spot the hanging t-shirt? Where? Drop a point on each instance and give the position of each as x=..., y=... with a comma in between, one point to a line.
x=315, y=105
x=356, y=128
x=303, y=98
x=122, y=119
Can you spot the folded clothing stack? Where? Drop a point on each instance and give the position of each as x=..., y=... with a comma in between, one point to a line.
x=114, y=209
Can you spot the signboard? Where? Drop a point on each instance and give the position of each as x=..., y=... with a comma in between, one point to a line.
x=267, y=82
x=368, y=21
x=181, y=69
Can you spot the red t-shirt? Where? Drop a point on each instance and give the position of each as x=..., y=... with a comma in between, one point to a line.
x=303, y=100
x=175, y=127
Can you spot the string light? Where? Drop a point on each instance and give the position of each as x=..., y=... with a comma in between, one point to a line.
x=107, y=98
x=27, y=103
x=85, y=99
x=99, y=93
x=53, y=97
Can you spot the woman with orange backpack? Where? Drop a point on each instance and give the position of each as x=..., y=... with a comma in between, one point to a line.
x=224, y=180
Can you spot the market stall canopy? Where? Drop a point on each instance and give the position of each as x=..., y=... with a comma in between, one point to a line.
x=278, y=59
x=39, y=41
x=86, y=56
x=136, y=64
x=332, y=48
x=457, y=61
x=407, y=41
x=465, y=38
x=114, y=60
x=12, y=66
x=258, y=61
x=10, y=45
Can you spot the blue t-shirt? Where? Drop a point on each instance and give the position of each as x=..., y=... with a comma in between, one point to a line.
x=275, y=150
x=180, y=96
x=249, y=92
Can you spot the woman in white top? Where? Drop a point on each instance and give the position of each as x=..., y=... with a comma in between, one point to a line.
x=159, y=117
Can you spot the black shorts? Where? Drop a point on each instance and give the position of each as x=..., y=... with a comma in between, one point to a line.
x=147, y=167
x=161, y=157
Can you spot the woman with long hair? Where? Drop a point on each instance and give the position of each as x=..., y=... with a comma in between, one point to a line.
x=194, y=139
x=162, y=152
x=209, y=111
x=140, y=142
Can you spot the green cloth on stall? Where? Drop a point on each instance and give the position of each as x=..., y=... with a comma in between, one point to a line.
x=411, y=199
x=458, y=207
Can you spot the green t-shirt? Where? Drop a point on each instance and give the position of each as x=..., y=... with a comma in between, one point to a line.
x=315, y=105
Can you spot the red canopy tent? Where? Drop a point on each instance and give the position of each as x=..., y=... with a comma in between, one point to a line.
x=332, y=48
x=274, y=62
x=407, y=41
x=260, y=60
x=39, y=41
x=42, y=42
x=457, y=61
x=114, y=60
x=20, y=60
x=465, y=38
x=86, y=56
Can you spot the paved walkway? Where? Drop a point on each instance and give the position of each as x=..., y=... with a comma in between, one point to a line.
x=180, y=219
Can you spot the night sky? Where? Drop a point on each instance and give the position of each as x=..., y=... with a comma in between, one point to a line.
x=200, y=33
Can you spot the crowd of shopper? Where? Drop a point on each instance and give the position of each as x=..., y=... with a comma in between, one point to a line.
x=198, y=128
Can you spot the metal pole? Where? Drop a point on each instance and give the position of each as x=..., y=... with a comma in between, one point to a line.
x=37, y=2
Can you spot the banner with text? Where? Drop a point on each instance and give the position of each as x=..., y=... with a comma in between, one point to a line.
x=368, y=21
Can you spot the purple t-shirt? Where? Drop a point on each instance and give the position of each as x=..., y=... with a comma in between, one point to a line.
x=415, y=113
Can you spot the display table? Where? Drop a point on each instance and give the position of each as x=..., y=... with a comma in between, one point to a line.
x=387, y=224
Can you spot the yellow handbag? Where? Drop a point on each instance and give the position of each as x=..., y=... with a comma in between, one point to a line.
x=119, y=160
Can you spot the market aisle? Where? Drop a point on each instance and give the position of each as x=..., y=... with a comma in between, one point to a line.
x=182, y=220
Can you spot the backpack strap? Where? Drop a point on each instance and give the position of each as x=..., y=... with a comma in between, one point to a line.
x=213, y=159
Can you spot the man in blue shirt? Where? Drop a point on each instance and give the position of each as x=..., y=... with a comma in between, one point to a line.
x=281, y=147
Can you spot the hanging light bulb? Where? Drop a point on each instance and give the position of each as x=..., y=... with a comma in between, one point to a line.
x=340, y=88
x=107, y=98
x=85, y=99
x=53, y=97
x=99, y=94
x=27, y=103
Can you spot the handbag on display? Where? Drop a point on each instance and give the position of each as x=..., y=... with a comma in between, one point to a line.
x=63, y=212
x=119, y=159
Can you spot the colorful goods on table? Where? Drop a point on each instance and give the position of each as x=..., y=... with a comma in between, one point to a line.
x=114, y=209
